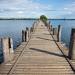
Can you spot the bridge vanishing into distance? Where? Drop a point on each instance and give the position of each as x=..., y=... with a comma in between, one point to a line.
x=40, y=55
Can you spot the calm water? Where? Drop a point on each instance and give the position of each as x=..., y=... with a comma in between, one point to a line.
x=13, y=28
x=67, y=25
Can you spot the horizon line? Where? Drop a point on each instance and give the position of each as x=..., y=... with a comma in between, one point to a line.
x=34, y=18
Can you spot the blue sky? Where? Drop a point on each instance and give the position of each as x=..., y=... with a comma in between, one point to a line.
x=35, y=8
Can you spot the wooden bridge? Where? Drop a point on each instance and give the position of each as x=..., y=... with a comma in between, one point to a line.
x=41, y=55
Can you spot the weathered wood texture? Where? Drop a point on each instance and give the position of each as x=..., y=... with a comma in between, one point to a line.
x=40, y=56
x=72, y=45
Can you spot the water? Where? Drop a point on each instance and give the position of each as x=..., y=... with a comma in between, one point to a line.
x=13, y=28
x=67, y=25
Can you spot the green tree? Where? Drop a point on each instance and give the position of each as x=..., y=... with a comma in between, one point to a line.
x=43, y=18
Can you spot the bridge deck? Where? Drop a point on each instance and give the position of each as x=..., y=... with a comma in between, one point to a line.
x=41, y=56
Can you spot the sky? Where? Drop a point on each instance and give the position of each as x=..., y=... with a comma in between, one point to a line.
x=35, y=8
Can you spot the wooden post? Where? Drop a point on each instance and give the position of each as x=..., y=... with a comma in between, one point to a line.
x=31, y=29
x=71, y=54
x=48, y=26
x=28, y=33
x=49, y=23
x=11, y=45
x=33, y=25
x=1, y=57
x=23, y=36
x=27, y=28
x=7, y=46
x=51, y=28
x=55, y=31
x=26, y=36
x=1, y=52
x=11, y=50
x=59, y=33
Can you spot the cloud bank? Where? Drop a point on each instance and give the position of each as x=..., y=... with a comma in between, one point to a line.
x=34, y=8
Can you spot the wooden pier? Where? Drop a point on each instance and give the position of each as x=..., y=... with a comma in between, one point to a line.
x=40, y=55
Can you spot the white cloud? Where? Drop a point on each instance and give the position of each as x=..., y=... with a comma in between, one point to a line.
x=70, y=7
x=31, y=8
x=70, y=13
x=20, y=12
x=23, y=6
x=65, y=8
x=68, y=10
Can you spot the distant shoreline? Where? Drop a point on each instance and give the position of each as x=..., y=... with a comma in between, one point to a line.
x=18, y=19
x=30, y=19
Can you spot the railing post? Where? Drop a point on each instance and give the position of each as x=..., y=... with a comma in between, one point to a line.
x=71, y=54
x=55, y=31
x=26, y=36
x=33, y=25
x=7, y=46
x=1, y=52
x=23, y=36
x=11, y=45
x=29, y=33
x=31, y=29
x=51, y=28
x=49, y=22
x=48, y=26
x=27, y=28
x=59, y=33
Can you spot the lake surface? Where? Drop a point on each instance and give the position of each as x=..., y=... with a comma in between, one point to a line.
x=67, y=25
x=13, y=29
